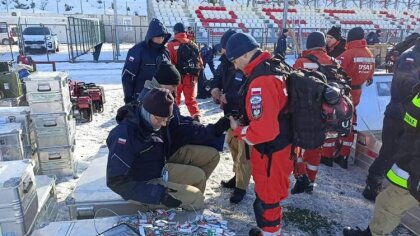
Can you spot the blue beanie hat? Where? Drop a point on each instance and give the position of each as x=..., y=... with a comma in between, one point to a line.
x=315, y=40
x=356, y=33
x=239, y=44
x=226, y=37
x=179, y=28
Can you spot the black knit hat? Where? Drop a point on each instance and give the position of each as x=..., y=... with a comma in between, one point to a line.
x=356, y=33
x=179, y=28
x=239, y=44
x=315, y=40
x=335, y=32
x=159, y=102
x=167, y=74
x=285, y=31
x=226, y=37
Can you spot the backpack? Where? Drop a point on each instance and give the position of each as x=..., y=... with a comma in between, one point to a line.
x=337, y=106
x=302, y=118
x=188, y=59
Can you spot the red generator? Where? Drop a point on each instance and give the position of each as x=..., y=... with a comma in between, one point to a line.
x=98, y=96
x=82, y=108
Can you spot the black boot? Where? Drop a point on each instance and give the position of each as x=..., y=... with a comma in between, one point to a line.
x=341, y=161
x=255, y=232
x=230, y=183
x=348, y=231
x=372, y=190
x=327, y=161
x=237, y=195
x=310, y=187
x=302, y=182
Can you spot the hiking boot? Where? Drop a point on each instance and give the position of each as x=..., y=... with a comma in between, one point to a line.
x=302, y=182
x=237, y=195
x=348, y=231
x=327, y=161
x=255, y=232
x=310, y=187
x=230, y=183
x=371, y=191
x=341, y=161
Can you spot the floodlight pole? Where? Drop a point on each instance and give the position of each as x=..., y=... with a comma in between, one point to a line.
x=117, y=43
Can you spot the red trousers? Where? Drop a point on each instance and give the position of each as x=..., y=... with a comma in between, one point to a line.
x=308, y=164
x=273, y=189
x=188, y=87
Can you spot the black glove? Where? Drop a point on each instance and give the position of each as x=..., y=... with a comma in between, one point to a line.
x=413, y=184
x=221, y=125
x=168, y=200
x=369, y=82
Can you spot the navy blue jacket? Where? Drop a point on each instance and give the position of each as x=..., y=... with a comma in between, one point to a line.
x=207, y=54
x=136, y=155
x=406, y=75
x=183, y=130
x=229, y=80
x=143, y=61
x=281, y=45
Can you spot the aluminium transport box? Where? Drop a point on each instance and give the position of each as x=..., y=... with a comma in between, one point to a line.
x=91, y=193
x=48, y=92
x=56, y=161
x=18, y=201
x=11, y=142
x=47, y=200
x=20, y=115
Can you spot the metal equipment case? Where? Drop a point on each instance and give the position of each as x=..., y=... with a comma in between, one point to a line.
x=11, y=142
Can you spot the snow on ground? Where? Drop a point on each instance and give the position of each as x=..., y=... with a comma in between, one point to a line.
x=76, y=7
x=336, y=201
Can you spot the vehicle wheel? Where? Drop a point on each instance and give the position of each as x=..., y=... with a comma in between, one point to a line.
x=57, y=48
x=5, y=41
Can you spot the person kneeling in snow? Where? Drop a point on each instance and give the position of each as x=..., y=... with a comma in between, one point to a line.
x=137, y=167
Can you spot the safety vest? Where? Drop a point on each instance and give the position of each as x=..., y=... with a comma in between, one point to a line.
x=397, y=175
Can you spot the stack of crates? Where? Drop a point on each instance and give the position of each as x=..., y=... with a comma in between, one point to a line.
x=49, y=101
x=21, y=115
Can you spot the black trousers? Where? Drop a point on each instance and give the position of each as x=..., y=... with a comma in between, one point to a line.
x=392, y=131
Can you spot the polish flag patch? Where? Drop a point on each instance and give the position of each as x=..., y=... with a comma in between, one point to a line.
x=131, y=58
x=121, y=141
x=255, y=91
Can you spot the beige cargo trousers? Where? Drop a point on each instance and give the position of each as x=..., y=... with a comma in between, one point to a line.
x=390, y=206
x=189, y=168
x=241, y=166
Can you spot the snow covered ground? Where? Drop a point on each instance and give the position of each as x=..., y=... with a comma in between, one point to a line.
x=138, y=7
x=336, y=201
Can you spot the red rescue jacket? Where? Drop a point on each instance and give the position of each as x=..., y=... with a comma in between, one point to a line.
x=305, y=63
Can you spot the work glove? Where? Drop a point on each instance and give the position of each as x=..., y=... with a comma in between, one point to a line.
x=369, y=82
x=221, y=126
x=169, y=200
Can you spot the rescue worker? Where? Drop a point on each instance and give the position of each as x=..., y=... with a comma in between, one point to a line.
x=191, y=34
x=137, y=168
x=374, y=37
x=404, y=191
x=359, y=63
x=406, y=75
x=207, y=55
x=307, y=166
x=225, y=86
x=188, y=82
x=336, y=44
x=282, y=43
x=184, y=134
x=264, y=129
x=143, y=60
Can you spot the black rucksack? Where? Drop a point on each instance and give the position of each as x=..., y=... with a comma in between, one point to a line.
x=188, y=59
x=337, y=106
